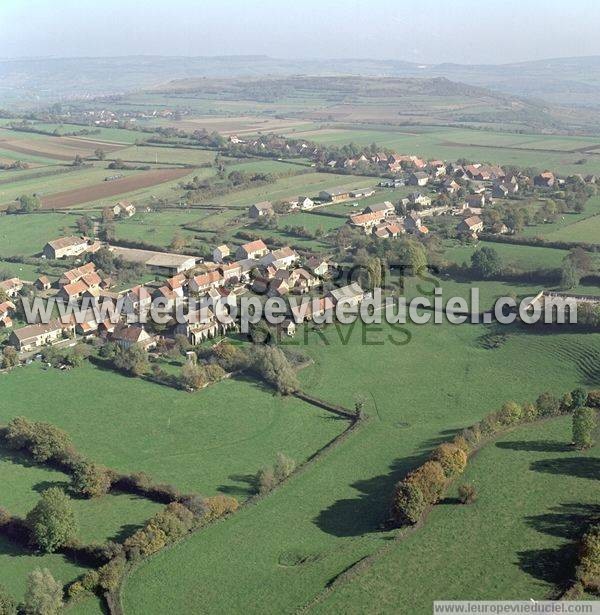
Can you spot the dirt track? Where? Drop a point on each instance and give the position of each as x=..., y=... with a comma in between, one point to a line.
x=145, y=179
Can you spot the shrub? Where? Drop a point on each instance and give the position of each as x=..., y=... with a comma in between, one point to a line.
x=192, y=377
x=196, y=504
x=593, y=398
x=284, y=466
x=8, y=606
x=145, y=542
x=76, y=590
x=588, y=571
x=452, y=459
x=467, y=493
x=110, y=575
x=5, y=517
x=430, y=479
x=566, y=402
x=175, y=520
x=220, y=505
x=510, y=413
x=44, y=595
x=408, y=503
x=41, y=440
x=272, y=365
x=584, y=424
x=265, y=480
x=461, y=442
x=52, y=522
x=547, y=405
x=91, y=480
x=230, y=357
x=579, y=398
x=90, y=580
x=214, y=372
x=530, y=412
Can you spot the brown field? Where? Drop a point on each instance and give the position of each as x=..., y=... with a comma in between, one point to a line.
x=240, y=125
x=59, y=148
x=144, y=179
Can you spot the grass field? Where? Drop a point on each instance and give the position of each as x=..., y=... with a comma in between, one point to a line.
x=535, y=494
x=328, y=518
x=587, y=231
x=174, y=436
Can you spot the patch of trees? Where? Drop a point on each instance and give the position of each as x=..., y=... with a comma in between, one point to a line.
x=120, y=165
x=269, y=477
x=26, y=204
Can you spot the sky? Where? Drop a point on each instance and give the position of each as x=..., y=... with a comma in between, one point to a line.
x=429, y=31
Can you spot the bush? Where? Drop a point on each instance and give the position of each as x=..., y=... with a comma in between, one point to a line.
x=110, y=575
x=510, y=413
x=408, y=503
x=452, y=459
x=579, y=398
x=467, y=493
x=230, y=357
x=588, y=571
x=593, y=398
x=42, y=441
x=8, y=606
x=547, y=405
x=461, y=442
x=272, y=365
x=196, y=504
x=220, y=505
x=430, y=479
x=145, y=542
x=530, y=412
x=175, y=520
x=91, y=480
x=90, y=580
x=52, y=522
x=76, y=590
x=265, y=480
x=585, y=422
x=44, y=595
x=284, y=466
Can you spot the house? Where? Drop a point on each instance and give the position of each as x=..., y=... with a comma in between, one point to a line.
x=220, y=253
x=128, y=336
x=42, y=283
x=233, y=271
x=70, y=293
x=34, y=336
x=302, y=281
x=386, y=208
x=124, y=209
x=413, y=222
x=544, y=180
x=259, y=210
x=6, y=309
x=254, y=249
x=450, y=186
x=418, y=198
x=418, y=178
x=165, y=297
x=351, y=295
x=11, y=287
x=388, y=231
x=475, y=200
x=367, y=221
x=177, y=284
x=334, y=195
x=74, y=275
x=65, y=247
x=472, y=225
x=319, y=306
x=318, y=266
x=305, y=203
x=500, y=191
x=201, y=326
x=137, y=300
x=500, y=229
x=282, y=258
x=288, y=327
x=205, y=281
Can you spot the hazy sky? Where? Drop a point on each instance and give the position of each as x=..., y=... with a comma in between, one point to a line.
x=463, y=31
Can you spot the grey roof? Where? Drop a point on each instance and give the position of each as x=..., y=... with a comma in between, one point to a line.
x=347, y=292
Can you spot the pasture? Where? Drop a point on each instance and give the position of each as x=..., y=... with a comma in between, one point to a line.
x=418, y=390
x=535, y=495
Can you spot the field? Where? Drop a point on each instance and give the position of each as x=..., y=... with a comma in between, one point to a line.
x=534, y=490
x=326, y=519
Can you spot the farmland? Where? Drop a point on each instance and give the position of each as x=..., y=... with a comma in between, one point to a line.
x=328, y=517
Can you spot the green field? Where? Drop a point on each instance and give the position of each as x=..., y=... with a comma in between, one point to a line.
x=587, y=231
x=162, y=155
x=328, y=517
x=535, y=493
x=175, y=437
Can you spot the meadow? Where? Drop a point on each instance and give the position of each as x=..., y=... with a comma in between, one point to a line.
x=534, y=490
x=283, y=551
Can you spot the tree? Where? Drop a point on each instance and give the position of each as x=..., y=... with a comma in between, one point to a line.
x=585, y=422
x=265, y=480
x=28, y=203
x=273, y=366
x=192, y=376
x=578, y=398
x=77, y=161
x=430, y=479
x=10, y=357
x=569, y=276
x=510, y=413
x=408, y=503
x=44, y=595
x=588, y=571
x=99, y=153
x=52, y=522
x=486, y=263
x=452, y=459
x=8, y=606
x=284, y=466
x=91, y=480
x=547, y=405
x=133, y=360
x=467, y=493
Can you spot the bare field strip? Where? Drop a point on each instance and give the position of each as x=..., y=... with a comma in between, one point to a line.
x=59, y=148
x=146, y=179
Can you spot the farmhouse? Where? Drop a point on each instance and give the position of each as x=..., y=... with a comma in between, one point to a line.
x=124, y=209
x=367, y=221
x=385, y=208
x=418, y=198
x=203, y=282
x=220, y=253
x=6, y=308
x=258, y=210
x=362, y=194
x=11, y=287
x=472, y=225
x=74, y=275
x=413, y=222
x=351, y=295
x=233, y=271
x=305, y=203
x=254, y=249
x=138, y=299
x=475, y=200
x=544, y=180
x=388, y=231
x=128, y=336
x=65, y=247
x=418, y=179
x=334, y=195
x=314, y=308
x=281, y=258
x=42, y=283
x=34, y=336
x=318, y=266
x=163, y=263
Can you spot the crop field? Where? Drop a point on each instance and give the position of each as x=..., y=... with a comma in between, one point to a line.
x=452, y=143
x=535, y=491
x=175, y=437
x=327, y=518
x=164, y=155
x=133, y=182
